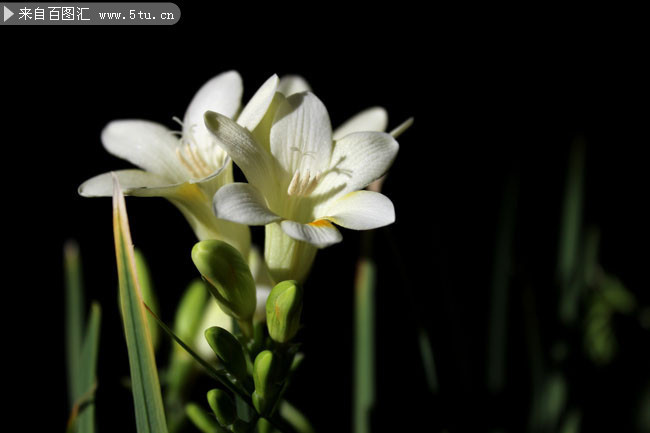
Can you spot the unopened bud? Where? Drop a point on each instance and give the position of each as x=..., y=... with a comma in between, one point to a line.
x=283, y=308
x=222, y=406
x=229, y=351
x=231, y=282
x=266, y=370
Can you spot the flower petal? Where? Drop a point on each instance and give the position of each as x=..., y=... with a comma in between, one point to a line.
x=361, y=210
x=358, y=159
x=254, y=111
x=148, y=145
x=301, y=136
x=102, y=185
x=253, y=159
x=221, y=94
x=242, y=203
x=371, y=119
x=320, y=233
x=290, y=84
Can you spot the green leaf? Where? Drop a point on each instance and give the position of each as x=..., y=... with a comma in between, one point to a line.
x=571, y=233
x=147, y=399
x=74, y=320
x=148, y=294
x=88, y=370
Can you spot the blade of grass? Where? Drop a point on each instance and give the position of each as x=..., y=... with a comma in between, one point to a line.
x=294, y=417
x=88, y=369
x=570, y=233
x=74, y=320
x=148, y=293
x=497, y=329
x=147, y=399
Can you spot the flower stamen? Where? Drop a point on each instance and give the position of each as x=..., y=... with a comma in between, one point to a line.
x=303, y=184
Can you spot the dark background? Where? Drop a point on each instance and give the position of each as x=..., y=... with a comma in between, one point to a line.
x=489, y=99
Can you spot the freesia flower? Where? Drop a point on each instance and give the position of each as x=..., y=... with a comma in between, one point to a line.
x=187, y=169
x=302, y=178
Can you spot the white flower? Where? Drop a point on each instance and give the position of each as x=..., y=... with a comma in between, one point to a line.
x=187, y=169
x=303, y=177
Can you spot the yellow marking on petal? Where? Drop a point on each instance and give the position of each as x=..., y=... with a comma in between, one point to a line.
x=320, y=223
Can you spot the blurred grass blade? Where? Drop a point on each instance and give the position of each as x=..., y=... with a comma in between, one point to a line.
x=294, y=417
x=570, y=233
x=74, y=320
x=148, y=294
x=180, y=372
x=149, y=412
x=88, y=369
x=201, y=419
x=498, y=325
x=428, y=361
x=364, y=340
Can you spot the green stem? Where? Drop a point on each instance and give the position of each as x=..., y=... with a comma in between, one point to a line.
x=364, y=338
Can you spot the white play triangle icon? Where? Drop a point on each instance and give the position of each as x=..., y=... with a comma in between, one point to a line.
x=8, y=13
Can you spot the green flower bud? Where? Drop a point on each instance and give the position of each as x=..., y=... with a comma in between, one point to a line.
x=231, y=281
x=260, y=403
x=263, y=426
x=265, y=371
x=222, y=406
x=229, y=351
x=283, y=308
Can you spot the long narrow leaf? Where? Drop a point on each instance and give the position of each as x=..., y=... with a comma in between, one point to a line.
x=296, y=418
x=74, y=324
x=88, y=369
x=570, y=233
x=147, y=399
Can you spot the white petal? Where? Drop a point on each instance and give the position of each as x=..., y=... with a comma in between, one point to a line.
x=254, y=111
x=221, y=94
x=320, y=233
x=357, y=160
x=148, y=145
x=242, y=203
x=361, y=210
x=253, y=159
x=290, y=84
x=372, y=119
x=102, y=185
x=301, y=136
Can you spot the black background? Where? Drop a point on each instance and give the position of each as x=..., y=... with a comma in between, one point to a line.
x=488, y=98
